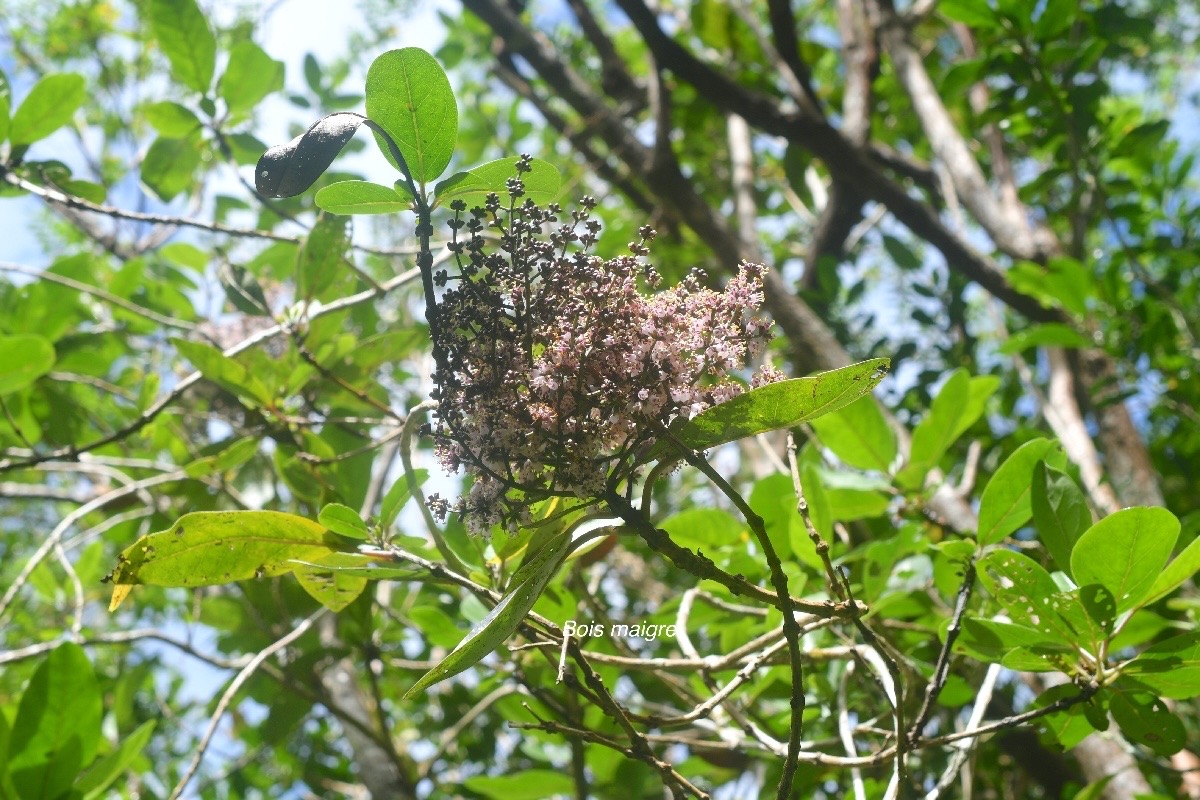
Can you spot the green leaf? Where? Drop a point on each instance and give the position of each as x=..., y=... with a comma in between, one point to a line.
x=541, y=182
x=223, y=371
x=989, y=640
x=104, y=772
x=320, y=258
x=703, y=528
x=1054, y=334
x=57, y=727
x=969, y=12
x=533, y=784
x=409, y=96
x=186, y=40
x=24, y=358
x=243, y=290
x=171, y=119
x=208, y=548
x=5, y=107
x=1170, y=668
x=1145, y=719
x=169, y=166
x=1182, y=567
x=494, y=629
x=49, y=105
x=939, y=429
x=859, y=435
x=343, y=520
x=362, y=197
x=330, y=581
x=250, y=76
x=398, y=495
x=1005, y=505
x=1125, y=552
x=1031, y=598
x=1060, y=512
x=782, y=404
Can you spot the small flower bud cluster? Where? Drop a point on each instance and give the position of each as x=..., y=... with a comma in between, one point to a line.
x=557, y=371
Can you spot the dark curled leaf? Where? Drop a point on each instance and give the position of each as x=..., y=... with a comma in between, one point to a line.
x=286, y=170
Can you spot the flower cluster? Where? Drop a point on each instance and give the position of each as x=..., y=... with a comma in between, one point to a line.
x=555, y=371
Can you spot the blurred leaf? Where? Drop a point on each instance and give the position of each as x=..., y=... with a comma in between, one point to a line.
x=969, y=12
x=50, y=104
x=1005, y=503
x=169, y=166
x=319, y=261
x=242, y=290
x=186, y=40
x=1125, y=552
x=938, y=429
x=92, y=784
x=859, y=435
x=343, y=520
x=398, y=495
x=532, y=784
x=410, y=97
x=171, y=119
x=1060, y=512
x=250, y=76
x=57, y=727
x=1048, y=334
x=223, y=370
x=24, y=358
x=703, y=528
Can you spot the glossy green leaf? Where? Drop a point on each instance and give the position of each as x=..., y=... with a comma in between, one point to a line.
x=398, y=495
x=169, y=166
x=343, y=520
x=50, y=104
x=24, y=358
x=1125, y=552
x=171, y=119
x=859, y=435
x=541, y=182
x=1182, y=567
x=1060, y=512
x=409, y=96
x=504, y=619
x=782, y=404
x=223, y=370
x=208, y=548
x=57, y=727
x=1005, y=503
x=250, y=76
x=319, y=261
x=1171, y=668
x=361, y=197
x=1145, y=719
x=330, y=581
x=93, y=783
x=186, y=40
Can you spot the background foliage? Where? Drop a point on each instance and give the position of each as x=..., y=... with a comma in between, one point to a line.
x=998, y=197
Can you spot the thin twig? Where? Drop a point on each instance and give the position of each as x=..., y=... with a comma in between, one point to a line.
x=231, y=691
